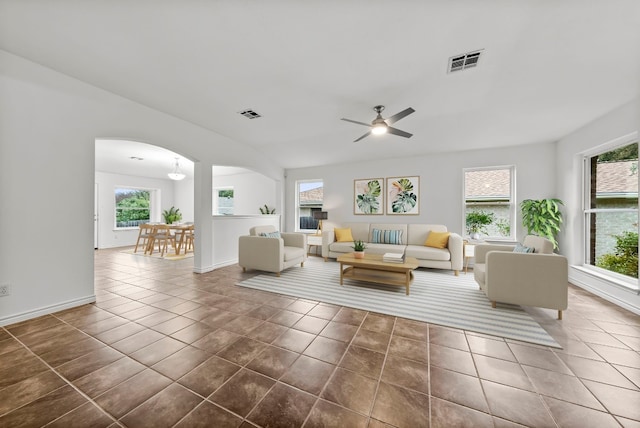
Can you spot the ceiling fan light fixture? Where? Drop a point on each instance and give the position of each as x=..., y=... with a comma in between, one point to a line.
x=379, y=129
x=176, y=174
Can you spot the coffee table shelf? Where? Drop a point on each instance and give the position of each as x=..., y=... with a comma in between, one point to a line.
x=372, y=269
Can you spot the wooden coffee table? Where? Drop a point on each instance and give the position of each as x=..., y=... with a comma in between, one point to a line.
x=372, y=269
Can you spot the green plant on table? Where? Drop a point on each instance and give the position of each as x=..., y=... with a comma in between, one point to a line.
x=542, y=217
x=477, y=221
x=359, y=246
x=172, y=215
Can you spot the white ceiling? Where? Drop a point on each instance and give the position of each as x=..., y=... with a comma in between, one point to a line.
x=548, y=67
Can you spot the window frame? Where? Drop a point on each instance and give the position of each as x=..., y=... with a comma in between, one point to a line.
x=152, y=200
x=511, y=204
x=216, y=195
x=615, y=277
x=298, y=183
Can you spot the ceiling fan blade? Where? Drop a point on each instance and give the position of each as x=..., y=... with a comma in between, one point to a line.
x=396, y=117
x=395, y=131
x=355, y=121
x=365, y=135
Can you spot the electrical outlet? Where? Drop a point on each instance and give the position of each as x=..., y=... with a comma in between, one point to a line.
x=5, y=290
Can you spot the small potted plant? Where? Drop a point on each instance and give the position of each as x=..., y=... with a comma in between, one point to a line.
x=477, y=222
x=172, y=215
x=358, y=248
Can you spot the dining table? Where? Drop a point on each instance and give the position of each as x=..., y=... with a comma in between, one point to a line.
x=182, y=230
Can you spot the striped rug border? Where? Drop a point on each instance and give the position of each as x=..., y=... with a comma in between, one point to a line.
x=437, y=297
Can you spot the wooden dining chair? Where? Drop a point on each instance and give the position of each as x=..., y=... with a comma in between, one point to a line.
x=144, y=235
x=189, y=237
x=163, y=236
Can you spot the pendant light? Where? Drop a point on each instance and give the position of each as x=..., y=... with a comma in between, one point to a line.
x=176, y=174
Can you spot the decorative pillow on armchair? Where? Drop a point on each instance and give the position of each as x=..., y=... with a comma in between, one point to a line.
x=275, y=234
x=519, y=248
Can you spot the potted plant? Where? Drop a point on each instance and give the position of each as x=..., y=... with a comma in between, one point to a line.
x=266, y=210
x=172, y=215
x=358, y=248
x=542, y=217
x=477, y=222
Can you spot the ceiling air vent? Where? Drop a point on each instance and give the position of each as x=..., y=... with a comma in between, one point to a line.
x=250, y=114
x=464, y=61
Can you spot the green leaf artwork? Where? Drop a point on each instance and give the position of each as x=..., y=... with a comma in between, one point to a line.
x=368, y=196
x=403, y=195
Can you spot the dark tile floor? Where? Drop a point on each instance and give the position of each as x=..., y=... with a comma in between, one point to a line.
x=164, y=347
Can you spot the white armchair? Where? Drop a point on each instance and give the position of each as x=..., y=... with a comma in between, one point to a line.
x=531, y=279
x=271, y=254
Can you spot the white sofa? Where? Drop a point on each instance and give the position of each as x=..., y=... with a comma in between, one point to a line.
x=413, y=239
x=271, y=254
x=538, y=279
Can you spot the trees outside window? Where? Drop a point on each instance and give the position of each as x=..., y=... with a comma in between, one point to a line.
x=223, y=201
x=133, y=207
x=611, y=211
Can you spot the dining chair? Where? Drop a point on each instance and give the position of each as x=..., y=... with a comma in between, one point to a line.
x=144, y=234
x=163, y=236
x=189, y=238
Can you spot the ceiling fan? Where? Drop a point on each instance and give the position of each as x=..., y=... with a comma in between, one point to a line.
x=381, y=126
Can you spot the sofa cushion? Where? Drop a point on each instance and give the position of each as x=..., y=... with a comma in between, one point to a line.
x=341, y=247
x=428, y=253
x=380, y=236
x=437, y=239
x=343, y=235
x=417, y=233
x=384, y=248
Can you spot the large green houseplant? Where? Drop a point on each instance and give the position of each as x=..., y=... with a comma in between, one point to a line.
x=542, y=217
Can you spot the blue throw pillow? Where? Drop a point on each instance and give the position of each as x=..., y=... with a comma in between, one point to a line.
x=522, y=249
x=386, y=237
x=271, y=234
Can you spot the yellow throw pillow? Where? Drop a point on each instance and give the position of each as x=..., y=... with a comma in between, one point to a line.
x=437, y=239
x=343, y=235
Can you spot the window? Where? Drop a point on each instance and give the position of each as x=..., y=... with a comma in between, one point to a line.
x=133, y=207
x=223, y=201
x=489, y=201
x=611, y=211
x=309, y=198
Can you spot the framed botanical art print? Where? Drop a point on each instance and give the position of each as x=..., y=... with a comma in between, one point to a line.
x=403, y=195
x=368, y=196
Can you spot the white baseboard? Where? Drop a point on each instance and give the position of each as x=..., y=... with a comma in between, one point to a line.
x=34, y=313
x=216, y=266
x=609, y=291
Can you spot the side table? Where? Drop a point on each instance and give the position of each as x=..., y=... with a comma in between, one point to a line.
x=314, y=241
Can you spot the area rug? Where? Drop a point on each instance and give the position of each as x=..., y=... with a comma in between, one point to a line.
x=437, y=297
x=156, y=254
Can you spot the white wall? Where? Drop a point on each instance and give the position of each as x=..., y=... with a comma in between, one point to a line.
x=48, y=126
x=620, y=122
x=169, y=192
x=441, y=183
x=251, y=190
